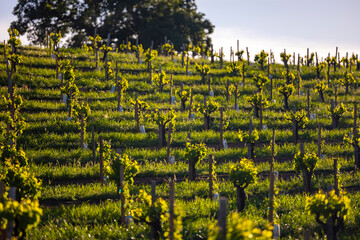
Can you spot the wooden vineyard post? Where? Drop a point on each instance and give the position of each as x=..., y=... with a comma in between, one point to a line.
x=221, y=57
x=222, y=218
x=9, y=227
x=271, y=87
x=187, y=64
x=227, y=90
x=319, y=141
x=355, y=140
x=272, y=181
x=294, y=58
x=332, y=106
x=182, y=104
x=336, y=54
x=171, y=208
x=169, y=142
x=307, y=57
x=122, y=196
x=295, y=129
x=236, y=97
x=209, y=84
x=2, y=191
x=335, y=96
x=308, y=103
x=101, y=161
x=211, y=184
x=93, y=144
x=298, y=63
x=251, y=145
x=82, y=131
x=306, y=177
x=154, y=234
x=171, y=92
x=191, y=100
x=153, y=192
x=221, y=126
x=137, y=112
x=261, y=113
x=307, y=235
x=206, y=123
x=336, y=181
x=248, y=55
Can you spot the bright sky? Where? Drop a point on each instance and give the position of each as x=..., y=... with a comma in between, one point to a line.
x=320, y=25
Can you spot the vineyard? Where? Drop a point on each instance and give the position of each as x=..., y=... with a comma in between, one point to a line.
x=133, y=143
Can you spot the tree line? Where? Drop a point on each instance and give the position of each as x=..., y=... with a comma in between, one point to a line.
x=150, y=21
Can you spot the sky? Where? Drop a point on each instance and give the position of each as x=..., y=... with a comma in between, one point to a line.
x=295, y=25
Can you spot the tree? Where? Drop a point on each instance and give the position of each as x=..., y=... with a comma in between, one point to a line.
x=240, y=228
x=260, y=81
x=305, y=163
x=261, y=58
x=330, y=211
x=336, y=114
x=286, y=90
x=147, y=20
x=204, y=70
x=320, y=87
x=194, y=153
x=298, y=120
x=163, y=120
x=242, y=175
x=38, y=18
x=347, y=81
x=255, y=101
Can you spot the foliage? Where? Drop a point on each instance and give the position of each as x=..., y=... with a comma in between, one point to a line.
x=160, y=80
x=305, y=161
x=285, y=58
x=15, y=175
x=254, y=100
x=325, y=206
x=14, y=41
x=347, y=80
x=202, y=69
x=299, y=117
x=320, y=87
x=211, y=106
x=123, y=85
x=338, y=111
x=13, y=119
x=243, y=174
x=142, y=106
x=248, y=138
x=82, y=109
x=319, y=68
x=26, y=213
x=235, y=69
x=156, y=213
x=163, y=118
x=95, y=42
x=131, y=168
x=241, y=228
x=195, y=152
x=150, y=55
x=184, y=94
x=70, y=88
x=239, y=54
x=286, y=90
x=261, y=58
x=289, y=76
x=55, y=39
x=168, y=49
x=260, y=81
